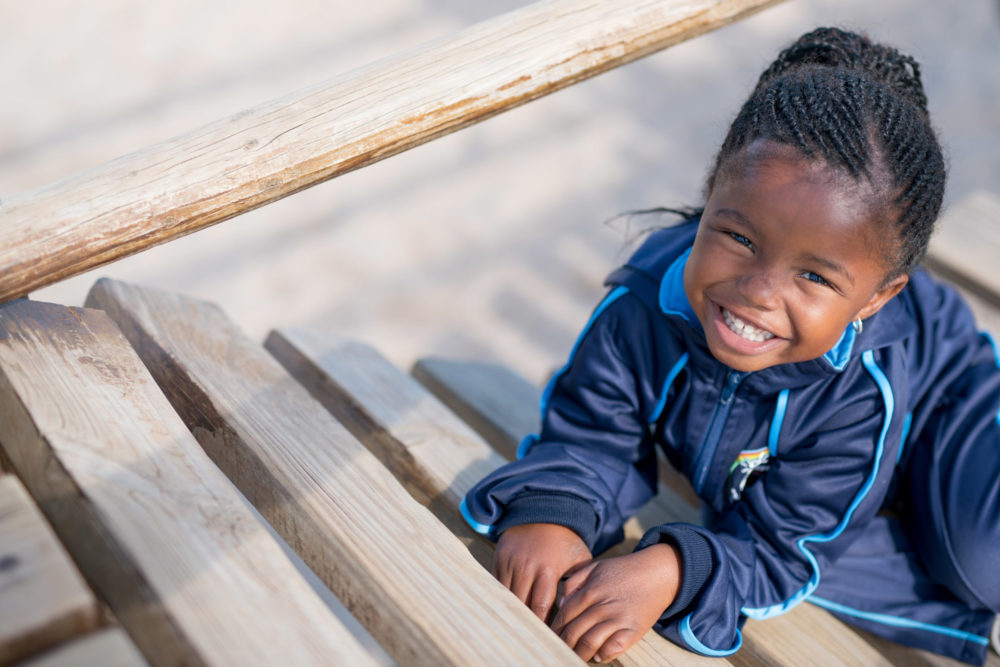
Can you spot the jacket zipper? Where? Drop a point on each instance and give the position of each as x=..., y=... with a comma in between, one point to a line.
x=711, y=442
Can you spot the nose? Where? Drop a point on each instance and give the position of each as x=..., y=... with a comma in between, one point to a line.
x=761, y=289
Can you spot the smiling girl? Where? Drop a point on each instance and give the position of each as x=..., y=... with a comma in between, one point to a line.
x=783, y=351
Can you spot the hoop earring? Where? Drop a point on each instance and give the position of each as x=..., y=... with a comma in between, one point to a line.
x=858, y=325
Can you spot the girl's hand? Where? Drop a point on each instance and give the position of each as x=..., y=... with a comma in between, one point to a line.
x=531, y=559
x=610, y=604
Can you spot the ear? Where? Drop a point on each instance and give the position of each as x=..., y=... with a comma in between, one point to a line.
x=883, y=295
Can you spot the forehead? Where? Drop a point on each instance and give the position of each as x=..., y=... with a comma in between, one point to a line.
x=777, y=189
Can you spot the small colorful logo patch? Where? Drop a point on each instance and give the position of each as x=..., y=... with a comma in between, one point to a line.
x=749, y=462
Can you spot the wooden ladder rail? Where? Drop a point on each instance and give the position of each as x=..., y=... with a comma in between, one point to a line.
x=288, y=144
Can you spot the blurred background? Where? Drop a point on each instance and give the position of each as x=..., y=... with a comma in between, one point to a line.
x=491, y=243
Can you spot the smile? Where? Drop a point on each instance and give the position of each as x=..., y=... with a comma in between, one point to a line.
x=745, y=330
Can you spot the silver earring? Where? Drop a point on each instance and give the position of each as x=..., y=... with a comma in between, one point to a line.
x=858, y=325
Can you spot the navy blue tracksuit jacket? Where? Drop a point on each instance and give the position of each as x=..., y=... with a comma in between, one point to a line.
x=794, y=462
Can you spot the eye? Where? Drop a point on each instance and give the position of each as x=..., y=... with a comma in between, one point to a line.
x=742, y=240
x=815, y=278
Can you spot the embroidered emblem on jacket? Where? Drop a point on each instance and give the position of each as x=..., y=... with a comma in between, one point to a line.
x=753, y=462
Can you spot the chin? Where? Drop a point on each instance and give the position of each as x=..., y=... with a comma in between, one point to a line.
x=742, y=363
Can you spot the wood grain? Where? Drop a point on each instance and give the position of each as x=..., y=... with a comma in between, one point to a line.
x=399, y=571
x=43, y=597
x=158, y=531
x=805, y=635
x=488, y=397
x=427, y=446
x=282, y=146
x=110, y=647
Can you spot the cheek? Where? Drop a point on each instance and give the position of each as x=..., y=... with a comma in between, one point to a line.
x=818, y=325
x=708, y=263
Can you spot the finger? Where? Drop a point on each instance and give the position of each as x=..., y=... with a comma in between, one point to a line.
x=520, y=585
x=588, y=634
x=619, y=642
x=571, y=607
x=543, y=595
x=502, y=570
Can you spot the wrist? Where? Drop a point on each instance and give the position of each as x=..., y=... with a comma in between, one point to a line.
x=696, y=561
x=665, y=567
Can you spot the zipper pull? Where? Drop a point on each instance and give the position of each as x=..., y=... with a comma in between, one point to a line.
x=732, y=380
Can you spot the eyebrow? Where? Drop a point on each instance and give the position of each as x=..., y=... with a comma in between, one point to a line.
x=733, y=213
x=823, y=261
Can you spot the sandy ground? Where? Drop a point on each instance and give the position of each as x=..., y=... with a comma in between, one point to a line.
x=491, y=243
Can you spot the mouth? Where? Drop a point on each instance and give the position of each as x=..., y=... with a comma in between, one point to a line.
x=744, y=329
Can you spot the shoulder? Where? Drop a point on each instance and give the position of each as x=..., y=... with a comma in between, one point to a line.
x=941, y=324
x=643, y=274
x=936, y=306
x=660, y=249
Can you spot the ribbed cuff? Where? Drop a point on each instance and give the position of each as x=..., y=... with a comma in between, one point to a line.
x=563, y=509
x=696, y=560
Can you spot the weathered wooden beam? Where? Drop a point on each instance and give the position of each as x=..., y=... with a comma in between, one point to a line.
x=43, y=598
x=157, y=530
x=805, y=635
x=397, y=568
x=488, y=397
x=280, y=147
x=110, y=647
x=432, y=451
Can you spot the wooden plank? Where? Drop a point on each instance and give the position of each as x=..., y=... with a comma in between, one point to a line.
x=402, y=574
x=110, y=647
x=436, y=454
x=280, y=147
x=158, y=531
x=488, y=397
x=44, y=599
x=805, y=635
x=966, y=246
x=912, y=657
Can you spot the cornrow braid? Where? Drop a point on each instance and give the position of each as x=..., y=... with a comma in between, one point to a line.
x=859, y=106
x=834, y=47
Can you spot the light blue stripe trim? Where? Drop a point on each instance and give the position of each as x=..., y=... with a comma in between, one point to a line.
x=688, y=635
x=906, y=432
x=776, y=422
x=615, y=294
x=898, y=621
x=673, y=299
x=993, y=344
x=671, y=376
x=996, y=356
x=529, y=441
x=868, y=359
x=481, y=528
x=840, y=354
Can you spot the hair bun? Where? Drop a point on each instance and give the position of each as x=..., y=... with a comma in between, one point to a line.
x=833, y=47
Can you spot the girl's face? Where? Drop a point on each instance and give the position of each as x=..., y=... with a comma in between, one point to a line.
x=787, y=255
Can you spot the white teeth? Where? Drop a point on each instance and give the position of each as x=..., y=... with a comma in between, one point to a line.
x=745, y=329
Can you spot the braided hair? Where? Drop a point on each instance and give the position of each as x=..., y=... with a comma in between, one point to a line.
x=859, y=106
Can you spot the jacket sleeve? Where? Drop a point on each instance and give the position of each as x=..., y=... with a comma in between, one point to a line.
x=593, y=464
x=769, y=550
